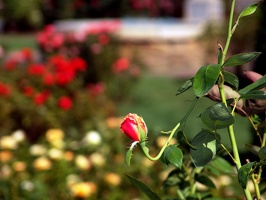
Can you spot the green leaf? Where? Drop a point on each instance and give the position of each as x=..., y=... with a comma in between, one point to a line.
x=129, y=156
x=205, y=79
x=222, y=165
x=262, y=153
x=256, y=94
x=253, y=149
x=180, y=135
x=243, y=174
x=187, y=85
x=173, y=155
x=240, y=59
x=231, y=79
x=205, y=180
x=206, y=145
x=248, y=11
x=217, y=116
x=144, y=188
x=261, y=83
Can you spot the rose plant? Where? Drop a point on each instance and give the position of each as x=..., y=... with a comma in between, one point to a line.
x=71, y=71
x=201, y=162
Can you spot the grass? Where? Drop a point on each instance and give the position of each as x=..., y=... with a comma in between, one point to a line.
x=154, y=99
x=15, y=42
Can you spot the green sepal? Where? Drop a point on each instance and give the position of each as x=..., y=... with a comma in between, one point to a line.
x=129, y=156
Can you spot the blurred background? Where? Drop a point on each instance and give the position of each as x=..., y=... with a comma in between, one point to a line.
x=72, y=69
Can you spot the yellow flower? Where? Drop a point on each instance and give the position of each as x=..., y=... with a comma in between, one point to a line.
x=112, y=179
x=42, y=163
x=8, y=142
x=55, y=154
x=5, y=156
x=19, y=166
x=114, y=122
x=161, y=140
x=54, y=135
x=82, y=162
x=97, y=159
x=72, y=179
x=83, y=189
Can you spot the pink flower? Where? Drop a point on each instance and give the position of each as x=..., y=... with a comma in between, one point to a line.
x=95, y=89
x=134, y=128
x=65, y=102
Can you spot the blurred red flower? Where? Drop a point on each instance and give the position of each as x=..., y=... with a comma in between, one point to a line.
x=5, y=90
x=65, y=102
x=27, y=54
x=95, y=89
x=36, y=69
x=78, y=64
x=120, y=65
x=41, y=97
x=103, y=39
x=28, y=91
x=48, y=79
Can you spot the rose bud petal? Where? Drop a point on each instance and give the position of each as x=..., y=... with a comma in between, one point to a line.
x=214, y=94
x=134, y=127
x=252, y=76
x=254, y=106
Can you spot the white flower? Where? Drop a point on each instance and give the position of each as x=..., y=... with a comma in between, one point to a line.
x=55, y=154
x=19, y=135
x=27, y=185
x=38, y=150
x=92, y=138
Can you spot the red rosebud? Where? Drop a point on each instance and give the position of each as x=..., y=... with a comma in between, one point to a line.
x=65, y=103
x=134, y=127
